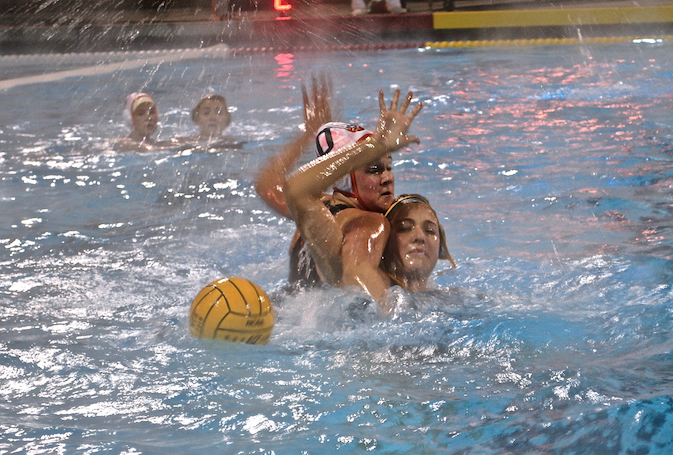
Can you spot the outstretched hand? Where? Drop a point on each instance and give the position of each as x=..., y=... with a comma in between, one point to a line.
x=394, y=122
x=273, y=175
x=317, y=110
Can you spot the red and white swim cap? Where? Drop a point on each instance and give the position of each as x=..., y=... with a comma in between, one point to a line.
x=333, y=136
x=133, y=101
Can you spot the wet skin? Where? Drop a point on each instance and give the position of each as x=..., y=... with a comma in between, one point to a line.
x=212, y=118
x=145, y=121
x=376, y=184
x=414, y=242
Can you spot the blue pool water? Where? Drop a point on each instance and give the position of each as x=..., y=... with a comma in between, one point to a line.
x=551, y=168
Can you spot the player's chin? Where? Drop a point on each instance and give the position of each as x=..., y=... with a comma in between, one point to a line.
x=418, y=267
x=386, y=200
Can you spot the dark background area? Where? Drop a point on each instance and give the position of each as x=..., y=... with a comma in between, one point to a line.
x=62, y=12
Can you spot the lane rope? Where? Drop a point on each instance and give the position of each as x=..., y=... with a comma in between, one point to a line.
x=142, y=58
x=335, y=47
x=131, y=61
x=548, y=41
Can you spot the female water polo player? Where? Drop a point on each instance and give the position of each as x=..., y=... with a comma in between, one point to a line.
x=142, y=112
x=410, y=256
x=357, y=204
x=211, y=115
x=416, y=242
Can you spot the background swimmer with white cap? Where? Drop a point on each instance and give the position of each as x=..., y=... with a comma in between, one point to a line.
x=142, y=112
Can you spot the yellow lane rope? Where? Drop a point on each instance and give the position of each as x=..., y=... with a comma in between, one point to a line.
x=547, y=41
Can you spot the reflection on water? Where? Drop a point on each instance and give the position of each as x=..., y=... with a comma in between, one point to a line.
x=549, y=167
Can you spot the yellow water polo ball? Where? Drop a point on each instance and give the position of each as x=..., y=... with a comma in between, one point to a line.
x=232, y=309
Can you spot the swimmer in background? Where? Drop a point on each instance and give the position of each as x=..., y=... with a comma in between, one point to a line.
x=211, y=115
x=402, y=250
x=143, y=114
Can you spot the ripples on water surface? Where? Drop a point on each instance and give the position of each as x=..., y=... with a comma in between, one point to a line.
x=551, y=170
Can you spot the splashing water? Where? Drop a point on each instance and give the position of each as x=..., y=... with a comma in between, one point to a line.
x=549, y=169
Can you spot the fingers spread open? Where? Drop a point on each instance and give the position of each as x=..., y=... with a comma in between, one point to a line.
x=414, y=112
x=414, y=139
x=406, y=102
x=396, y=99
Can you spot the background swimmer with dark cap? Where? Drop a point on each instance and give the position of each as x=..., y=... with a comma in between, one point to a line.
x=211, y=115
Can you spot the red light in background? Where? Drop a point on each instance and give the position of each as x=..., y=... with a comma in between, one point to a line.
x=280, y=5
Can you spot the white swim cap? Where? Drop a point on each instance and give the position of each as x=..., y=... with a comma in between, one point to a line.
x=133, y=101
x=333, y=136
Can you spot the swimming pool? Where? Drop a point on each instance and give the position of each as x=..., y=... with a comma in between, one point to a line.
x=550, y=167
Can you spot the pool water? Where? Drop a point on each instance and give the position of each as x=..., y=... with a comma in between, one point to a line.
x=550, y=167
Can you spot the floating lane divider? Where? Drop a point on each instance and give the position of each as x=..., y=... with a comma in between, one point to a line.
x=553, y=17
x=442, y=44
x=335, y=47
x=548, y=41
x=127, y=60
x=131, y=60
x=139, y=59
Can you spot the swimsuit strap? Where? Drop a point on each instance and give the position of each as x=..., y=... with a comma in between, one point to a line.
x=396, y=280
x=338, y=207
x=303, y=271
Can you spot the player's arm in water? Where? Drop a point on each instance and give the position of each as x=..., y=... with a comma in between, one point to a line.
x=348, y=248
x=365, y=235
x=272, y=177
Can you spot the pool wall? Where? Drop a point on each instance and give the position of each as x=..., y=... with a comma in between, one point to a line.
x=264, y=31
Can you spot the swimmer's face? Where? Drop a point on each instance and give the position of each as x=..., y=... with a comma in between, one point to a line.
x=376, y=184
x=212, y=118
x=146, y=119
x=414, y=241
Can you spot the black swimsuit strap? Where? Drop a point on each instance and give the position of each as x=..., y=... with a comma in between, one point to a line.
x=337, y=208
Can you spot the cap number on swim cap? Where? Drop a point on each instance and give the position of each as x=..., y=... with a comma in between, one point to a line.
x=337, y=135
x=327, y=134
